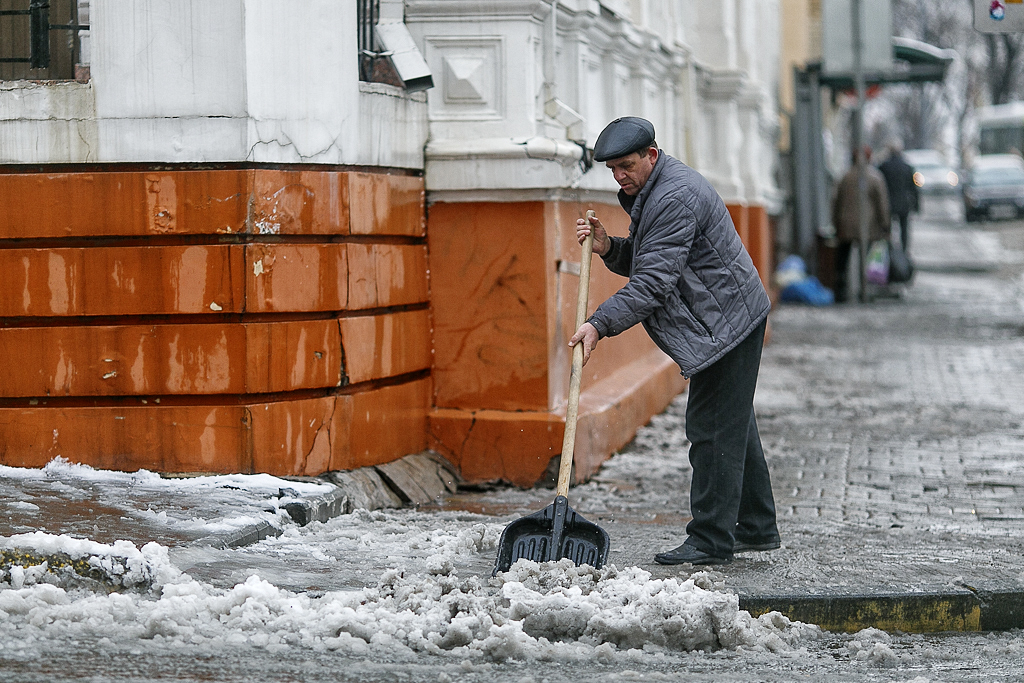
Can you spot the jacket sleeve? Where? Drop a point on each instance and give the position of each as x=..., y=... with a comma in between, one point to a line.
x=620, y=255
x=659, y=258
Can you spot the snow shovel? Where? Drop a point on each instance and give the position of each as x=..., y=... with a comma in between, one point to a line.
x=558, y=531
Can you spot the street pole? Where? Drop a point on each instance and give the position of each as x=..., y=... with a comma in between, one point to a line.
x=858, y=141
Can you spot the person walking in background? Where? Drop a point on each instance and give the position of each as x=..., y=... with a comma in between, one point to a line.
x=904, y=195
x=846, y=216
x=694, y=288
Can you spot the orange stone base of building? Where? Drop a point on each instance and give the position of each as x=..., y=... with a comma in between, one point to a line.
x=516, y=447
x=299, y=321
x=225, y=320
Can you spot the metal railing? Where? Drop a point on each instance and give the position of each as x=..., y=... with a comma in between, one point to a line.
x=37, y=36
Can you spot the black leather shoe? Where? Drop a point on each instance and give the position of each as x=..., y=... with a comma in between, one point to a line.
x=687, y=554
x=749, y=547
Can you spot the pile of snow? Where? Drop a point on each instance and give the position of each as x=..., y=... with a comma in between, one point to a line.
x=38, y=557
x=553, y=612
x=872, y=645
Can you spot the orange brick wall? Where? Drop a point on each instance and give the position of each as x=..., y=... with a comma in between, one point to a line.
x=504, y=282
x=231, y=320
x=753, y=225
x=292, y=321
x=503, y=297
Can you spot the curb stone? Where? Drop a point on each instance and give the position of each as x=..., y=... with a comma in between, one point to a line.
x=967, y=609
x=243, y=536
x=320, y=508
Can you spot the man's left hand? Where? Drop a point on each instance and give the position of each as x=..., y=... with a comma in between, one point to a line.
x=589, y=336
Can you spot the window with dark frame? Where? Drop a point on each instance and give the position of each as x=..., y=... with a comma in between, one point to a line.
x=39, y=40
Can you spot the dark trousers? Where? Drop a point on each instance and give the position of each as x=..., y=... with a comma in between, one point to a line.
x=904, y=219
x=731, y=491
x=843, y=250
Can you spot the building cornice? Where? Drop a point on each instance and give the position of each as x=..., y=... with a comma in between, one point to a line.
x=548, y=149
x=492, y=10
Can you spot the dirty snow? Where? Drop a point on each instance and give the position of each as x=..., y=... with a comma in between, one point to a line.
x=61, y=468
x=555, y=612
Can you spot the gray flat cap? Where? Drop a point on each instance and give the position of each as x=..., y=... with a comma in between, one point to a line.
x=623, y=136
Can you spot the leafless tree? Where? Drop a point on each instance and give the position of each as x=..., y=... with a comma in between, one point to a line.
x=988, y=70
x=1004, y=52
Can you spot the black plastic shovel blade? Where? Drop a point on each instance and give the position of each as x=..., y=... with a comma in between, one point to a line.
x=555, y=532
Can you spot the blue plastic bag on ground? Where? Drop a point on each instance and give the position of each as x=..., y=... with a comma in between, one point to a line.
x=808, y=291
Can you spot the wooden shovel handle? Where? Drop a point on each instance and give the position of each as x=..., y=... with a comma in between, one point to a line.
x=572, y=409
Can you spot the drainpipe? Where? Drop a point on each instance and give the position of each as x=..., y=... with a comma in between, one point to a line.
x=565, y=115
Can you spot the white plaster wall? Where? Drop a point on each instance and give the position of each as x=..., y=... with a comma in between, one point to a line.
x=47, y=122
x=302, y=80
x=714, y=33
x=167, y=58
x=276, y=81
x=707, y=99
x=201, y=81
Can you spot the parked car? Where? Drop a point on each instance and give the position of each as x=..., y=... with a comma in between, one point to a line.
x=931, y=171
x=994, y=187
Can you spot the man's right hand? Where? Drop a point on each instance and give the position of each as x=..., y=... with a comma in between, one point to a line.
x=602, y=243
x=588, y=336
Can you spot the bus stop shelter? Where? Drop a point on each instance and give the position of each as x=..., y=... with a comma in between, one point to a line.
x=913, y=62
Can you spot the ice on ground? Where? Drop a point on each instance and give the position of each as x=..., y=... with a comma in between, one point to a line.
x=872, y=645
x=61, y=468
x=60, y=559
x=185, y=508
x=550, y=612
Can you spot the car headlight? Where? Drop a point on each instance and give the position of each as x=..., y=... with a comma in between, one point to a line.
x=918, y=179
x=952, y=179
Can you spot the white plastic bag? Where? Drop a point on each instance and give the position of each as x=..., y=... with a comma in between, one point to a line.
x=876, y=267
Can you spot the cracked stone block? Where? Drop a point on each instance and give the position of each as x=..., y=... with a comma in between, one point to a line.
x=294, y=437
x=434, y=476
x=386, y=345
x=386, y=423
x=408, y=481
x=446, y=470
x=365, y=489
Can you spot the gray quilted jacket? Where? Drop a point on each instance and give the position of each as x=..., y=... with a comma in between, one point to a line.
x=691, y=282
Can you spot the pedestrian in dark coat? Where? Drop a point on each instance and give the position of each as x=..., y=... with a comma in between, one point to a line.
x=904, y=195
x=694, y=288
x=846, y=216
